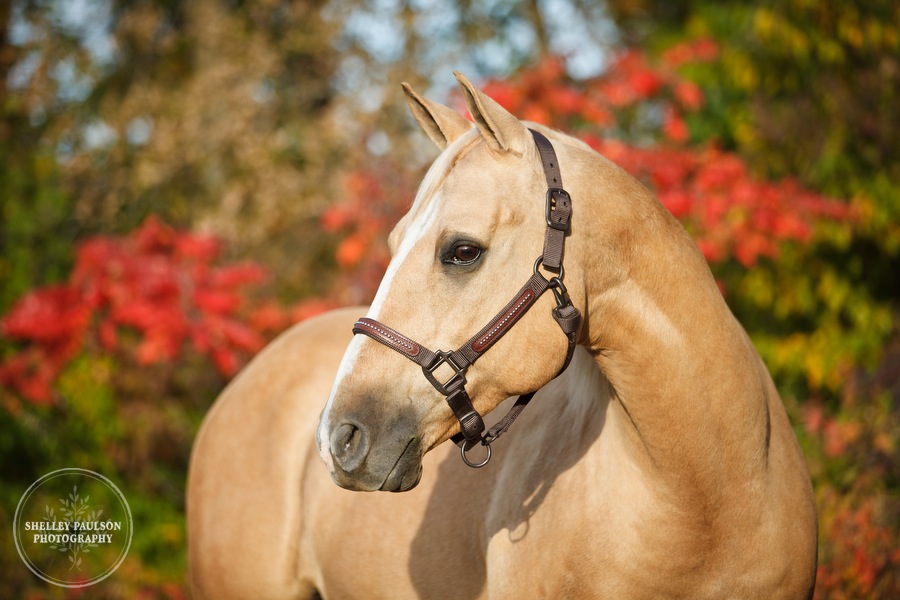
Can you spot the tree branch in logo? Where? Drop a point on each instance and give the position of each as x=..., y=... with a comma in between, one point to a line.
x=75, y=511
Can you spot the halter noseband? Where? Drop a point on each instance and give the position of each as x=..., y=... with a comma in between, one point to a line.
x=558, y=214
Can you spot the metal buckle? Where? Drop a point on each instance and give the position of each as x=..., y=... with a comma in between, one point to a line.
x=554, y=197
x=457, y=380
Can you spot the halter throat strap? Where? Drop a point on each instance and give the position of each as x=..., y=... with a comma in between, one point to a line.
x=558, y=212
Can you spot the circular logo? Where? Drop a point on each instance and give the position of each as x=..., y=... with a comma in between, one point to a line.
x=73, y=527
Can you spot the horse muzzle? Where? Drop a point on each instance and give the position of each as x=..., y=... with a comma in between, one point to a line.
x=363, y=458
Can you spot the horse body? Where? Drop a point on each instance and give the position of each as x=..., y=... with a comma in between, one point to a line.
x=267, y=522
x=661, y=464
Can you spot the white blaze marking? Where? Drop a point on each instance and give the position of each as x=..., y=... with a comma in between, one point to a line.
x=429, y=191
x=416, y=231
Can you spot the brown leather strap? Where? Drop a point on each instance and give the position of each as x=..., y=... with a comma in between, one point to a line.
x=477, y=345
x=508, y=316
x=389, y=337
x=548, y=160
x=558, y=208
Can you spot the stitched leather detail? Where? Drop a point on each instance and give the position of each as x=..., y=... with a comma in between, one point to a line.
x=387, y=336
x=504, y=321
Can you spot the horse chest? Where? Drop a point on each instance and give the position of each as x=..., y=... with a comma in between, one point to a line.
x=577, y=536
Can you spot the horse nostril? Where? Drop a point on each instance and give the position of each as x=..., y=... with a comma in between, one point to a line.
x=349, y=446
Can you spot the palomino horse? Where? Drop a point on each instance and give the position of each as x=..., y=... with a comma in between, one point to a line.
x=660, y=464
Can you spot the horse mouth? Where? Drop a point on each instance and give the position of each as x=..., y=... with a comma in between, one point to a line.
x=407, y=471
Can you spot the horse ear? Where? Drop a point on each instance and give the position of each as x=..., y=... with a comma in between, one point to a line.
x=501, y=130
x=442, y=124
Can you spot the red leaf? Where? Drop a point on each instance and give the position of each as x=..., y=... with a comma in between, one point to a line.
x=200, y=338
x=350, y=252
x=598, y=115
x=677, y=201
x=140, y=314
x=152, y=276
x=237, y=275
x=94, y=256
x=268, y=317
x=617, y=94
x=567, y=101
x=688, y=95
x=48, y=314
x=310, y=308
x=154, y=236
x=645, y=83
x=712, y=251
x=203, y=248
x=37, y=389
x=835, y=444
x=216, y=302
x=675, y=128
x=30, y=374
x=334, y=219
x=705, y=49
x=226, y=361
x=157, y=346
x=108, y=336
x=240, y=335
x=504, y=95
x=678, y=54
x=813, y=417
x=536, y=113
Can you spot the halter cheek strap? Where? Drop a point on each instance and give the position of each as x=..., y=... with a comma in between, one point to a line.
x=558, y=213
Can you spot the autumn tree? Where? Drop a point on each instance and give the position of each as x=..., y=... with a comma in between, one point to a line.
x=204, y=115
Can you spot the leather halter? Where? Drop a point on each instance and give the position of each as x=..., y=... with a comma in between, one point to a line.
x=558, y=214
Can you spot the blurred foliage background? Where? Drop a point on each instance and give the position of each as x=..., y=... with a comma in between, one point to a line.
x=180, y=181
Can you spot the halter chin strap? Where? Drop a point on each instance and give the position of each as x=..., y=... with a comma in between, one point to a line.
x=558, y=214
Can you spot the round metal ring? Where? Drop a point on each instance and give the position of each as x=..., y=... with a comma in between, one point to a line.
x=474, y=465
x=540, y=261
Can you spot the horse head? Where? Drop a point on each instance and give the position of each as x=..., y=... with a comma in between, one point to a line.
x=468, y=242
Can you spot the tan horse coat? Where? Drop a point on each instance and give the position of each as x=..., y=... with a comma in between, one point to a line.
x=660, y=465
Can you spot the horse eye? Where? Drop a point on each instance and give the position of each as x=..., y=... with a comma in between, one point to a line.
x=464, y=254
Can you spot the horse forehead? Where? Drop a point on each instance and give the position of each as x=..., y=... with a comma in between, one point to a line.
x=462, y=184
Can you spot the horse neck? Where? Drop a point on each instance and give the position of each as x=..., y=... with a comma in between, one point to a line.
x=692, y=391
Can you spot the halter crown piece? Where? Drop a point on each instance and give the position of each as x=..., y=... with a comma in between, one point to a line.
x=558, y=214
